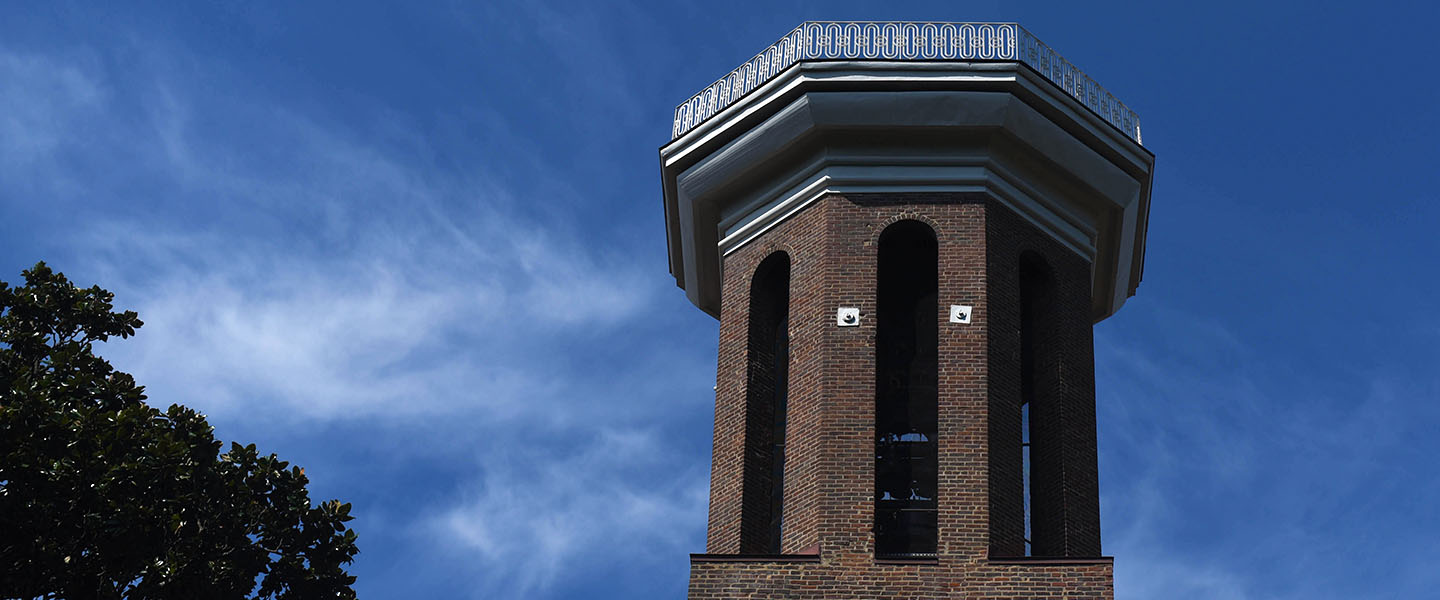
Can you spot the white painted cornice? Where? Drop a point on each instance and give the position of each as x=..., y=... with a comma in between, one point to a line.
x=878, y=126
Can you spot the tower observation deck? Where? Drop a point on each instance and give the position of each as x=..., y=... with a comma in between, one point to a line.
x=907, y=231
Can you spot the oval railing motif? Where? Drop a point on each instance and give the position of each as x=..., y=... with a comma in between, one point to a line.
x=816, y=40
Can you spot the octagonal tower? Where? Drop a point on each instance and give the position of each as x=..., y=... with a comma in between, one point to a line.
x=907, y=231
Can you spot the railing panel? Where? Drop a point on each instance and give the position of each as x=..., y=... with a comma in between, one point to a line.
x=904, y=41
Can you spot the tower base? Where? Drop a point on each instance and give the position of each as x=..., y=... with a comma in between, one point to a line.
x=713, y=577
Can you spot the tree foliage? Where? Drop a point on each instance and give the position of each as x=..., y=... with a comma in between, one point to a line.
x=104, y=496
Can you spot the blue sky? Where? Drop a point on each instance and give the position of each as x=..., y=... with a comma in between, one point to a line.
x=419, y=251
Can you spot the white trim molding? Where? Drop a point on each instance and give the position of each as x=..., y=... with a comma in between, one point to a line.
x=875, y=126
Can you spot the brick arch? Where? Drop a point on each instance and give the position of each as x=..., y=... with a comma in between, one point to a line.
x=767, y=359
x=906, y=390
x=906, y=215
x=761, y=253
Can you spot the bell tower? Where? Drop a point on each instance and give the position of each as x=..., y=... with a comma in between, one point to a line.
x=907, y=231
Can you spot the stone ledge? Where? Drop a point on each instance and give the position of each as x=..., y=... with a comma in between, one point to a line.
x=907, y=561
x=754, y=558
x=1052, y=560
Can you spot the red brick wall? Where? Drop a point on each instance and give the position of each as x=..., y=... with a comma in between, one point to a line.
x=769, y=303
x=1066, y=509
x=830, y=439
x=714, y=577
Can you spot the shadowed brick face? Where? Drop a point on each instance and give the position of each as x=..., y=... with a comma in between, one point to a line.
x=1065, y=481
x=764, y=406
x=828, y=543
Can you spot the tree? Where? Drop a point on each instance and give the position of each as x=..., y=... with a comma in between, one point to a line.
x=104, y=496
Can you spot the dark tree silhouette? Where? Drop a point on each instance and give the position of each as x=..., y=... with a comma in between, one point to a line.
x=104, y=496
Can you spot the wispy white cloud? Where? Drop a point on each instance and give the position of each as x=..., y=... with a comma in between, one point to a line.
x=532, y=514
x=40, y=100
x=305, y=273
x=45, y=103
x=294, y=273
x=403, y=326
x=1230, y=474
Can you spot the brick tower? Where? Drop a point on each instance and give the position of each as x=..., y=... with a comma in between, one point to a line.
x=907, y=231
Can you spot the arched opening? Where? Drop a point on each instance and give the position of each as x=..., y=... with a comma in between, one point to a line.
x=767, y=374
x=906, y=391
x=1039, y=458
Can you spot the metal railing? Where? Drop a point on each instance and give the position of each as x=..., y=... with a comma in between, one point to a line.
x=904, y=41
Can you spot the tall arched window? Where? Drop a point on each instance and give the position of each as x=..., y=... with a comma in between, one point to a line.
x=906, y=391
x=1039, y=457
x=767, y=374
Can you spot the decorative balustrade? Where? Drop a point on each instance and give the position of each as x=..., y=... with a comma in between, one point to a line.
x=904, y=42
